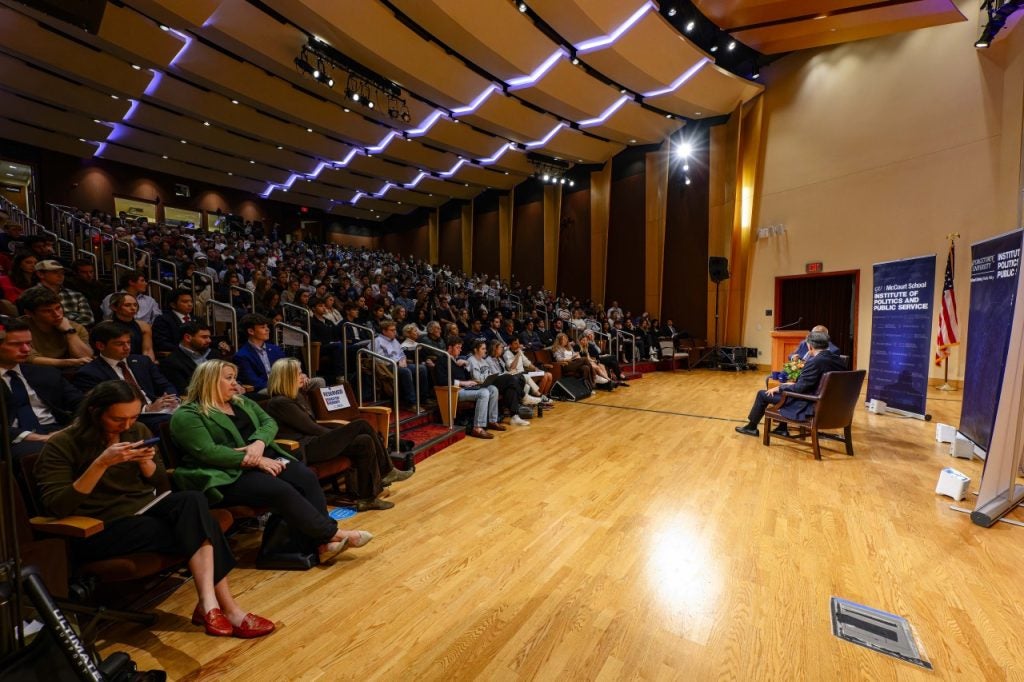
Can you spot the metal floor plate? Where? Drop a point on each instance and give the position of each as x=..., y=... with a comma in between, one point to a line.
x=879, y=631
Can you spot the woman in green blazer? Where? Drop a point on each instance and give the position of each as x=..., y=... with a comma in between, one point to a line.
x=228, y=452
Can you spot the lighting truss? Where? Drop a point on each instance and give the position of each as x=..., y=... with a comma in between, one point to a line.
x=318, y=60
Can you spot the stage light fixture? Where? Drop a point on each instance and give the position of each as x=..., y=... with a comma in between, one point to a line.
x=572, y=183
x=546, y=177
x=672, y=11
x=684, y=150
x=136, y=67
x=523, y=7
x=369, y=103
x=206, y=123
x=714, y=48
x=688, y=181
x=731, y=46
x=996, y=13
x=690, y=25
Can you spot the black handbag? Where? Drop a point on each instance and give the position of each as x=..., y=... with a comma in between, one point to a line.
x=280, y=551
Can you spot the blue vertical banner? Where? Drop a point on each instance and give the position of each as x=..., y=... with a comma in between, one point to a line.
x=901, y=333
x=995, y=269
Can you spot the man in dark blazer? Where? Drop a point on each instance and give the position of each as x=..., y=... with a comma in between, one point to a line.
x=39, y=400
x=112, y=342
x=167, y=327
x=194, y=348
x=820, y=361
x=255, y=357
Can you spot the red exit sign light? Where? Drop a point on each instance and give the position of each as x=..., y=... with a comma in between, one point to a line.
x=815, y=267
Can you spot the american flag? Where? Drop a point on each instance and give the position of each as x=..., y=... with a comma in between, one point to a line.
x=949, y=328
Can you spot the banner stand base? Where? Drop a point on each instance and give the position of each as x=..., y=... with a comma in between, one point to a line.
x=912, y=415
x=986, y=515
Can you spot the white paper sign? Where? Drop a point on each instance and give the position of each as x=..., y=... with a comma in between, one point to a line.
x=335, y=398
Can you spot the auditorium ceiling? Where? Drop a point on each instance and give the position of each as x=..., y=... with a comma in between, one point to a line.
x=468, y=94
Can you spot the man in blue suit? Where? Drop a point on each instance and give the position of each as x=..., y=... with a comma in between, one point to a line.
x=803, y=348
x=114, y=360
x=255, y=357
x=820, y=360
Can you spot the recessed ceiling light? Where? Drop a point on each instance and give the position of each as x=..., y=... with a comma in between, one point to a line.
x=668, y=116
x=206, y=123
x=696, y=113
x=622, y=91
x=632, y=141
x=279, y=147
x=251, y=161
x=114, y=97
x=165, y=156
x=506, y=172
x=714, y=48
x=575, y=61
x=731, y=46
x=230, y=173
x=347, y=110
x=672, y=11
x=95, y=120
x=184, y=141
x=11, y=165
x=690, y=25
x=234, y=101
x=10, y=175
x=309, y=130
x=136, y=67
x=523, y=7
x=164, y=28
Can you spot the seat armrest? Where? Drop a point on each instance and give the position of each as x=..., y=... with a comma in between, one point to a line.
x=375, y=409
x=289, y=445
x=333, y=422
x=68, y=526
x=802, y=396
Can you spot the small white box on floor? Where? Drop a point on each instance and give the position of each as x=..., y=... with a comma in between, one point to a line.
x=877, y=406
x=944, y=433
x=962, y=448
x=952, y=483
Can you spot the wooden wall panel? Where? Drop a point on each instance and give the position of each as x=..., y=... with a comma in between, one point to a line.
x=528, y=243
x=625, y=278
x=486, y=255
x=414, y=241
x=450, y=235
x=574, y=245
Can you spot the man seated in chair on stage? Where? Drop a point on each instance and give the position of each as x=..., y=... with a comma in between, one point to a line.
x=820, y=359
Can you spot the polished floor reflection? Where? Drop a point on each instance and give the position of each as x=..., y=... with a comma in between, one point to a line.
x=634, y=537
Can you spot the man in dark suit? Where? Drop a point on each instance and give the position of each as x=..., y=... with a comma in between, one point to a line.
x=40, y=401
x=801, y=351
x=167, y=327
x=114, y=360
x=820, y=361
x=194, y=348
x=255, y=357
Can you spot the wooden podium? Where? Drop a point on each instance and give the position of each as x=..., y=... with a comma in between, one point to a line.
x=784, y=344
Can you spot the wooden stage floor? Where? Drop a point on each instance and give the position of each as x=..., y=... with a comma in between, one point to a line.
x=636, y=536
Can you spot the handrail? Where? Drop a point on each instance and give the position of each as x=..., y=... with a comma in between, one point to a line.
x=174, y=270
x=211, y=318
x=377, y=357
x=633, y=347
x=206, y=280
x=436, y=351
x=132, y=260
x=247, y=292
x=279, y=330
x=160, y=289
x=518, y=303
x=305, y=312
x=598, y=332
x=344, y=341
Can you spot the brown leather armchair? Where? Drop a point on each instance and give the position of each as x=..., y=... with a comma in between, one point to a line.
x=834, y=406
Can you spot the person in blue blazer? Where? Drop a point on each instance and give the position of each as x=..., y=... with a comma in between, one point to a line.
x=820, y=361
x=255, y=357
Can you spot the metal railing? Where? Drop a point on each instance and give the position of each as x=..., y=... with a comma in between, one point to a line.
x=374, y=358
x=172, y=266
x=344, y=341
x=247, y=293
x=303, y=313
x=157, y=291
x=281, y=332
x=606, y=335
x=217, y=311
x=633, y=350
x=449, y=359
x=129, y=251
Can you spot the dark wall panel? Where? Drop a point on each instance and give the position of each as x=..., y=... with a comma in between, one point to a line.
x=486, y=257
x=574, y=245
x=625, y=272
x=528, y=243
x=685, y=279
x=449, y=242
x=415, y=241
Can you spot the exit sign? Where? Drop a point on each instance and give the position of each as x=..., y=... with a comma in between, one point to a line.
x=815, y=267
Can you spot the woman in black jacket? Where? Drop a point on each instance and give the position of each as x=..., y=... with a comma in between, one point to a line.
x=355, y=440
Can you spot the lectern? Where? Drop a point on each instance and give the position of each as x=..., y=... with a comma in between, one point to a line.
x=784, y=344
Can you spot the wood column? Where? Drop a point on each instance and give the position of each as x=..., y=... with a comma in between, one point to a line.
x=600, y=202
x=505, y=208
x=433, y=239
x=467, y=237
x=552, y=220
x=656, y=199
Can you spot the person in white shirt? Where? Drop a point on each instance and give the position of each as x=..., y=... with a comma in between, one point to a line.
x=136, y=283
x=516, y=362
x=387, y=344
x=509, y=387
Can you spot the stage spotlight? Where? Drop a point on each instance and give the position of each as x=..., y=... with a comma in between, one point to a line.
x=546, y=177
x=714, y=48
x=684, y=150
x=686, y=166
x=731, y=46
x=757, y=73
x=575, y=61
x=688, y=181
x=572, y=183
x=305, y=67
x=406, y=117
x=672, y=11
x=981, y=42
x=522, y=7
x=369, y=103
x=690, y=25
x=561, y=181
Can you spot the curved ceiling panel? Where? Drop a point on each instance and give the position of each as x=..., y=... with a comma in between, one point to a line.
x=570, y=92
x=494, y=35
x=711, y=91
x=582, y=20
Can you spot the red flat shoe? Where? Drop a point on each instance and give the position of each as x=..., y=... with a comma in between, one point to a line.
x=253, y=626
x=215, y=622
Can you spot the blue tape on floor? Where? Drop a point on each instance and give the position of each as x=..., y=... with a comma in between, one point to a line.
x=339, y=513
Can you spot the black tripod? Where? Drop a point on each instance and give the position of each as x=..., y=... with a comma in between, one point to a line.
x=718, y=271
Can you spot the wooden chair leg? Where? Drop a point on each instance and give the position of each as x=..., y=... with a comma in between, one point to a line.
x=848, y=437
x=814, y=443
x=767, y=437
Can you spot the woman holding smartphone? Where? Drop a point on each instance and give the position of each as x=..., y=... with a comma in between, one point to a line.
x=103, y=466
x=228, y=453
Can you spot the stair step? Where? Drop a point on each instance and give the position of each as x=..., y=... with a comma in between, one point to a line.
x=429, y=439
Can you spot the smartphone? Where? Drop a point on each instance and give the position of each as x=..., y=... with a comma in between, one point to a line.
x=149, y=442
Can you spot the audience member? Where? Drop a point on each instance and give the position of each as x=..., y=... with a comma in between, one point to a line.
x=124, y=308
x=485, y=398
x=484, y=373
x=194, y=348
x=82, y=279
x=101, y=467
x=136, y=283
x=319, y=443
x=39, y=400
x=228, y=453
x=56, y=340
x=387, y=344
x=19, y=278
x=255, y=357
x=167, y=327
x=50, y=274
